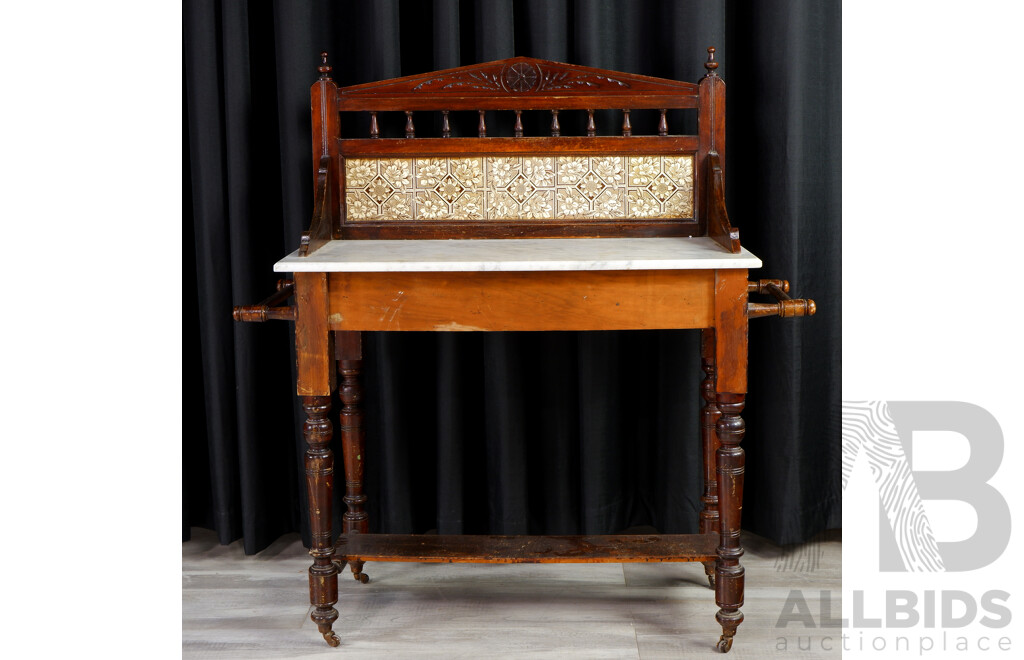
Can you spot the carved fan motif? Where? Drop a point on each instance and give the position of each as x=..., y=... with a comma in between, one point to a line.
x=520, y=77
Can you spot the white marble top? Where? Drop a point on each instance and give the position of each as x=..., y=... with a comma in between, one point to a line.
x=516, y=254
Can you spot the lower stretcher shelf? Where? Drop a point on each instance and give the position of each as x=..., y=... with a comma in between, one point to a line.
x=527, y=549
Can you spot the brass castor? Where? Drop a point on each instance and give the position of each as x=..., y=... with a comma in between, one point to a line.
x=724, y=644
x=361, y=577
x=331, y=639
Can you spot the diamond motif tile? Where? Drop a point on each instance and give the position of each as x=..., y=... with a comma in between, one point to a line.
x=590, y=185
x=378, y=190
x=449, y=189
x=662, y=187
x=520, y=188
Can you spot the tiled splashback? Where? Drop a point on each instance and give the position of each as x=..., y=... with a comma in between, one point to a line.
x=519, y=188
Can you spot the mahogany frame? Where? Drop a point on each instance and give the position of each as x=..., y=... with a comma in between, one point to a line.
x=332, y=309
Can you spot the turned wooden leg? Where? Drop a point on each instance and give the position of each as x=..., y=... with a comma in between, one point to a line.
x=350, y=366
x=709, y=415
x=729, y=588
x=323, y=574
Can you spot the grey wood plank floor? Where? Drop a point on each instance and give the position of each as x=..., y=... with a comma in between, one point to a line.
x=235, y=606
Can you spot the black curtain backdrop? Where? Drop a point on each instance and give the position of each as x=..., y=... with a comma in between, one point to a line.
x=508, y=433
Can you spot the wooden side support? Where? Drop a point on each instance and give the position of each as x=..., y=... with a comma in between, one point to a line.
x=731, y=330
x=323, y=574
x=325, y=119
x=730, y=387
x=711, y=127
x=312, y=338
x=714, y=220
x=319, y=232
x=709, y=415
x=730, y=458
x=349, y=350
x=718, y=218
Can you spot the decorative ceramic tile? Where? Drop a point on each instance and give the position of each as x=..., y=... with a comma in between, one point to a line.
x=519, y=188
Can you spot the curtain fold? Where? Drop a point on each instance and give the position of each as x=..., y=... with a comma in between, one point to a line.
x=555, y=432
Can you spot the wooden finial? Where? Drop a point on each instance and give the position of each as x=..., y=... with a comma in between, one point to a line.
x=711, y=64
x=324, y=68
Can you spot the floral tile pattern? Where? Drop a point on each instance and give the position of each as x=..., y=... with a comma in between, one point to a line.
x=519, y=188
